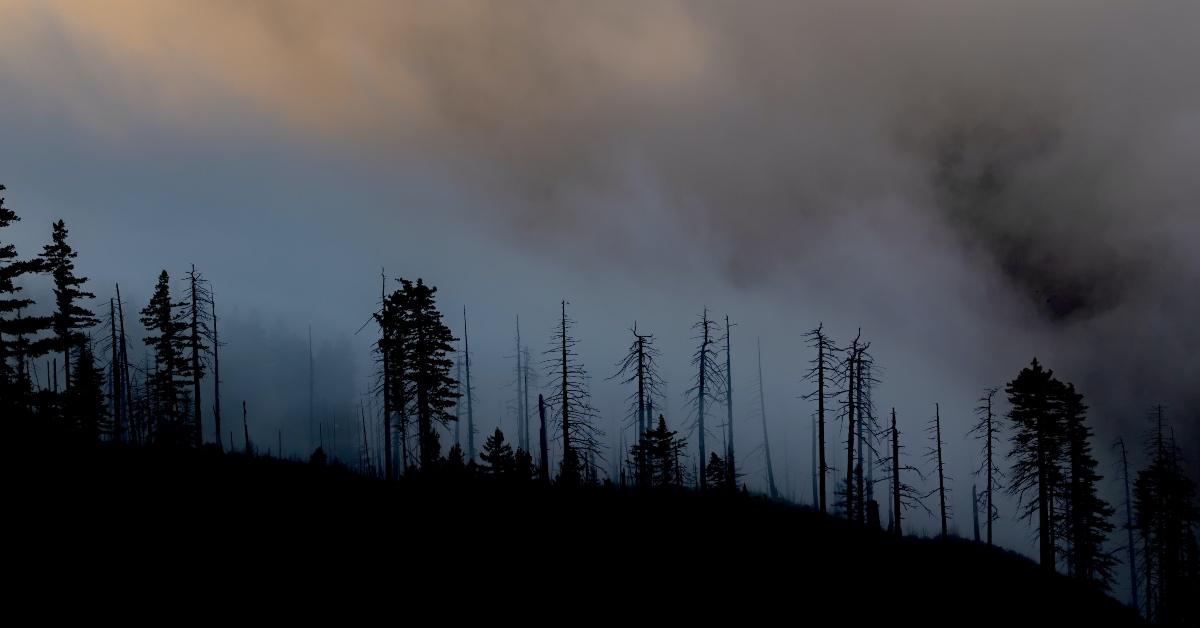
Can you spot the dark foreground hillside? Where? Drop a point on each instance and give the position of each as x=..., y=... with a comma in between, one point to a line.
x=230, y=530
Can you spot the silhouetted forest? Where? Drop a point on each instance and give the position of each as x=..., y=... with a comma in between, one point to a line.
x=117, y=429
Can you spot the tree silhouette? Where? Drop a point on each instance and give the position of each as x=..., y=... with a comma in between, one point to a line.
x=15, y=388
x=87, y=412
x=706, y=385
x=427, y=366
x=822, y=368
x=1166, y=517
x=660, y=451
x=68, y=317
x=197, y=341
x=497, y=455
x=762, y=409
x=1086, y=515
x=935, y=453
x=166, y=393
x=576, y=416
x=640, y=368
x=1036, y=447
x=987, y=429
x=903, y=494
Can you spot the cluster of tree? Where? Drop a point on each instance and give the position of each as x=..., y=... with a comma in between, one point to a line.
x=158, y=402
x=1053, y=470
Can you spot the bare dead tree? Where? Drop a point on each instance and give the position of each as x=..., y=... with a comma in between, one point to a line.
x=822, y=367
x=706, y=385
x=469, y=392
x=1129, y=526
x=216, y=357
x=639, y=368
x=576, y=416
x=987, y=429
x=935, y=453
x=199, y=334
x=246, y=432
x=730, y=459
x=762, y=410
x=543, y=446
x=903, y=495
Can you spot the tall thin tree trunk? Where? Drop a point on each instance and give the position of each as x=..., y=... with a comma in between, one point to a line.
x=521, y=444
x=937, y=425
x=197, y=435
x=860, y=494
x=896, y=476
x=821, y=415
x=850, y=433
x=114, y=380
x=762, y=405
x=702, y=479
x=458, y=403
x=125, y=383
x=975, y=512
x=1133, y=579
x=216, y=351
x=566, y=400
x=990, y=469
x=525, y=399
x=730, y=465
x=246, y=431
x=385, y=349
x=470, y=408
x=544, y=462
x=816, y=491
x=311, y=389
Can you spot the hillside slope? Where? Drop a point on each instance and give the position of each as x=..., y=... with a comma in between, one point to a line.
x=167, y=512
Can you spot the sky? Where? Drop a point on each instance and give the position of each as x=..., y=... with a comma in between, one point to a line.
x=970, y=183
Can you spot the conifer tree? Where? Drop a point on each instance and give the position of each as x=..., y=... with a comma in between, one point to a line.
x=166, y=392
x=68, y=317
x=87, y=412
x=1166, y=517
x=15, y=389
x=1086, y=516
x=497, y=455
x=1036, y=446
x=427, y=366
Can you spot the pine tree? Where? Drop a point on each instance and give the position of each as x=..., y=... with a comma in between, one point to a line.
x=68, y=317
x=1086, y=516
x=427, y=367
x=1036, y=448
x=166, y=386
x=660, y=450
x=1166, y=516
x=717, y=473
x=498, y=455
x=87, y=412
x=15, y=388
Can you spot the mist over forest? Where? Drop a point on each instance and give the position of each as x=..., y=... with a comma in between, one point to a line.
x=968, y=185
